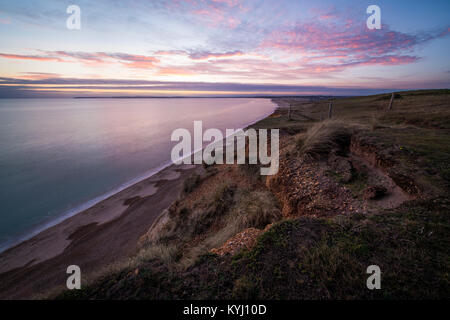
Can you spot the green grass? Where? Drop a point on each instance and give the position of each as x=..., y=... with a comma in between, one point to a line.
x=330, y=260
x=311, y=258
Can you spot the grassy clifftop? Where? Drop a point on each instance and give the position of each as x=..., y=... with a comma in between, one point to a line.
x=369, y=186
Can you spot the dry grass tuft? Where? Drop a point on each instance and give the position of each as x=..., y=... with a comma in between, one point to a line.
x=322, y=137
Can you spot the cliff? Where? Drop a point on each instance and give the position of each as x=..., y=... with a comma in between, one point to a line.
x=367, y=187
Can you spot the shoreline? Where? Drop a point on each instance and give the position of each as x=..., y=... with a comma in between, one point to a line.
x=37, y=264
x=92, y=239
x=61, y=217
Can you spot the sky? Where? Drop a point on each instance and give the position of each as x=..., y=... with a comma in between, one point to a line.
x=221, y=47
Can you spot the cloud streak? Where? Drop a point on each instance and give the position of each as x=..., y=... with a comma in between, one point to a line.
x=94, y=58
x=29, y=57
x=13, y=87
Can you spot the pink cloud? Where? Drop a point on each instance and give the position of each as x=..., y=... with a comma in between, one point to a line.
x=132, y=60
x=39, y=75
x=207, y=55
x=331, y=47
x=174, y=71
x=29, y=57
x=91, y=58
x=99, y=58
x=215, y=13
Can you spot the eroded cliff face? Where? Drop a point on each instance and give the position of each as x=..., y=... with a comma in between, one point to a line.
x=353, y=179
x=384, y=159
x=349, y=170
x=304, y=188
x=357, y=177
x=223, y=211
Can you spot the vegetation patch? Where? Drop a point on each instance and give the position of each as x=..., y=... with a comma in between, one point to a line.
x=323, y=137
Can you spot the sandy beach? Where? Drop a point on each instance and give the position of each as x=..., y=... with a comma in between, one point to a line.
x=105, y=233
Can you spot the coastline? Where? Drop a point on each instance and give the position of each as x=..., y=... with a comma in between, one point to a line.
x=103, y=234
x=38, y=263
x=78, y=209
x=61, y=217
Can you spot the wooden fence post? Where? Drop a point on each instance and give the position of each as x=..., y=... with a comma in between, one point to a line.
x=391, y=102
x=330, y=110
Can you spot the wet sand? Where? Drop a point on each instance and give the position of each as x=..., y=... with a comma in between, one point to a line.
x=105, y=233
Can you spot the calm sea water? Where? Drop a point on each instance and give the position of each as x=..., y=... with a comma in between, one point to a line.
x=59, y=156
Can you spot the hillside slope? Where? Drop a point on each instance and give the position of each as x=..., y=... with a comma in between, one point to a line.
x=369, y=186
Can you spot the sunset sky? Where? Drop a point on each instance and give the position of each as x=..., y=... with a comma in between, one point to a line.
x=221, y=47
